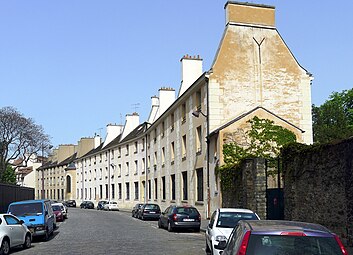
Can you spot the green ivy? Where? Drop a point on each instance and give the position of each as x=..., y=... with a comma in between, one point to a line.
x=265, y=141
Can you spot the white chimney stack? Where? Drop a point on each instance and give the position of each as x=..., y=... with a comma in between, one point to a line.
x=113, y=131
x=166, y=99
x=132, y=121
x=154, y=109
x=191, y=70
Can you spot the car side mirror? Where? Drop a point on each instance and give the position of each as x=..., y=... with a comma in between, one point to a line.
x=22, y=222
x=221, y=245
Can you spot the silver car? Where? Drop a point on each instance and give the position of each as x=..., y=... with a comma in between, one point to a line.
x=13, y=233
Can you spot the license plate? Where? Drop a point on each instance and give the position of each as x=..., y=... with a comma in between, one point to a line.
x=188, y=220
x=152, y=212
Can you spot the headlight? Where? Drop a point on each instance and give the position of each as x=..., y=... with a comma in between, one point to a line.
x=221, y=238
x=40, y=228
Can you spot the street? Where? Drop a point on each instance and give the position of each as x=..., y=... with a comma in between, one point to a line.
x=103, y=232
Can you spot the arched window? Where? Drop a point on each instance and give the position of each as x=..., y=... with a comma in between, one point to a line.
x=68, y=184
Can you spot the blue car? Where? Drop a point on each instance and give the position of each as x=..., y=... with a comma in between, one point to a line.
x=37, y=215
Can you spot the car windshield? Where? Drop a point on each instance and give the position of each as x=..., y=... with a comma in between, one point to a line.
x=113, y=203
x=26, y=209
x=230, y=219
x=292, y=245
x=156, y=207
x=186, y=210
x=56, y=208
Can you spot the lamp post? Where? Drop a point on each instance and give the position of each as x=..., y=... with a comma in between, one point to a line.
x=197, y=114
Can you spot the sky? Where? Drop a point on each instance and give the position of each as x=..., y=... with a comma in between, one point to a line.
x=75, y=66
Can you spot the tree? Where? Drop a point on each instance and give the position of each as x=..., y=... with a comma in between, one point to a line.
x=9, y=176
x=333, y=120
x=20, y=137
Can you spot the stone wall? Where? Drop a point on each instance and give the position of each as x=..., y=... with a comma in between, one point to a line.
x=318, y=186
x=247, y=188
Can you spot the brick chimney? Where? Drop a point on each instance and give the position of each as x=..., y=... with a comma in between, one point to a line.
x=248, y=13
x=191, y=70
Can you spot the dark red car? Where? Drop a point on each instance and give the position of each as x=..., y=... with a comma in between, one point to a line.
x=58, y=213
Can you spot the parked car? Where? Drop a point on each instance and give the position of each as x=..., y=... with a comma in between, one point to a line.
x=221, y=224
x=111, y=206
x=70, y=203
x=37, y=215
x=63, y=209
x=149, y=212
x=135, y=210
x=281, y=237
x=180, y=217
x=87, y=205
x=58, y=213
x=101, y=203
x=13, y=232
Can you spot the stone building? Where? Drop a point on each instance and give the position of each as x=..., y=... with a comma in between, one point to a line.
x=171, y=158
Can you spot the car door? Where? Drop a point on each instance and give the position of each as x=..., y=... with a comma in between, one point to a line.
x=164, y=216
x=17, y=232
x=209, y=230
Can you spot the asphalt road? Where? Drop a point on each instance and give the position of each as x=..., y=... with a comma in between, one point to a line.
x=100, y=232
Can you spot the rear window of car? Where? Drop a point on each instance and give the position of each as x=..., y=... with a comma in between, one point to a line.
x=186, y=210
x=230, y=219
x=292, y=245
x=56, y=208
x=151, y=206
x=26, y=209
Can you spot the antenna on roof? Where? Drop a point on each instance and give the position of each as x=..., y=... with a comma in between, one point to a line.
x=121, y=119
x=135, y=106
x=100, y=131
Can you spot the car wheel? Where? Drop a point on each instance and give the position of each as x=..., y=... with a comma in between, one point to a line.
x=159, y=224
x=28, y=242
x=142, y=218
x=5, y=247
x=207, y=248
x=170, y=228
x=46, y=235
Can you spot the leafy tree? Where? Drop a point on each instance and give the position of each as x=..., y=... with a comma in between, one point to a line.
x=333, y=120
x=20, y=137
x=9, y=175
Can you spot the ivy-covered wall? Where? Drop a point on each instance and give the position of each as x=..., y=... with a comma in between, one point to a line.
x=245, y=186
x=318, y=186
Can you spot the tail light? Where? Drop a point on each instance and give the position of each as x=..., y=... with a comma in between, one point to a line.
x=344, y=251
x=175, y=217
x=199, y=217
x=244, y=244
x=293, y=234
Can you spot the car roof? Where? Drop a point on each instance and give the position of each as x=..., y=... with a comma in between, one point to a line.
x=240, y=210
x=29, y=201
x=57, y=204
x=281, y=225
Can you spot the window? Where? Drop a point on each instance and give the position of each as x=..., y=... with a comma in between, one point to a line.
x=198, y=100
x=68, y=184
x=136, y=184
x=172, y=152
x=155, y=136
x=198, y=139
x=119, y=191
x=148, y=162
x=127, y=168
x=172, y=122
x=199, y=173
x=106, y=155
x=127, y=185
x=106, y=191
x=185, y=185
x=136, y=147
x=172, y=181
x=183, y=148
x=183, y=113
x=149, y=189
x=119, y=170
x=127, y=150
x=143, y=144
x=155, y=189
x=162, y=129
x=136, y=167
x=113, y=191
x=155, y=160
x=163, y=187
x=100, y=191
x=143, y=165
x=163, y=156
x=119, y=152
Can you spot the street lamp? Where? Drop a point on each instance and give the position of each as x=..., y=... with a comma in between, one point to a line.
x=197, y=114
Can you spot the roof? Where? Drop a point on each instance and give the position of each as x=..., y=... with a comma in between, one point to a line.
x=281, y=225
x=248, y=113
x=239, y=210
x=29, y=201
x=140, y=129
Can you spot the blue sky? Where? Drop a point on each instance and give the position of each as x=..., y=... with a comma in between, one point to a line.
x=76, y=65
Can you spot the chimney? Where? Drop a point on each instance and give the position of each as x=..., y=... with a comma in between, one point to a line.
x=154, y=109
x=191, y=70
x=248, y=13
x=113, y=131
x=166, y=98
x=132, y=121
x=97, y=141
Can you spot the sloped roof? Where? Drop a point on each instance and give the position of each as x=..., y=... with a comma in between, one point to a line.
x=140, y=129
x=246, y=114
